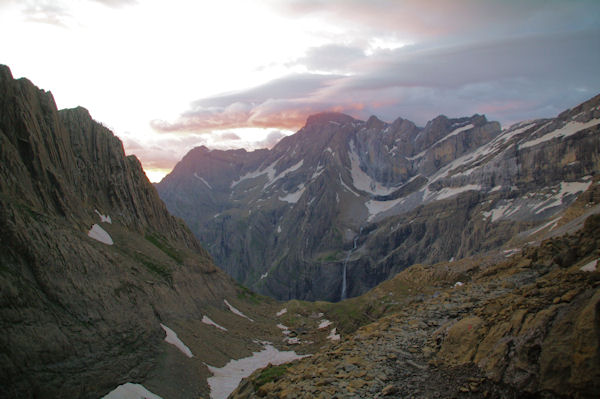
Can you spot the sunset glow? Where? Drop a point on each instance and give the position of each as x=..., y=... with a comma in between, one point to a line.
x=169, y=76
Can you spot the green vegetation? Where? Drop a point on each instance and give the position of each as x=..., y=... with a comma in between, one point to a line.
x=158, y=269
x=160, y=243
x=246, y=294
x=270, y=374
x=331, y=256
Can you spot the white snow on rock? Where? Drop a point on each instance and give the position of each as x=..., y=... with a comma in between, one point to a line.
x=510, y=252
x=208, y=320
x=292, y=340
x=566, y=188
x=348, y=188
x=567, y=130
x=542, y=227
x=281, y=312
x=264, y=275
x=269, y=171
x=99, y=234
x=501, y=211
x=292, y=198
x=448, y=192
x=284, y=173
x=361, y=180
x=453, y=133
x=227, y=378
x=131, y=391
x=459, y=284
x=172, y=339
x=235, y=311
x=333, y=336
x=285, y=330
x=324, y=324
x=376, y=207
x=103, y=218
x=202, y=180
x=590, y=267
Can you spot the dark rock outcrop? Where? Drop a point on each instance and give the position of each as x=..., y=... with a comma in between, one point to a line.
x=80, y=316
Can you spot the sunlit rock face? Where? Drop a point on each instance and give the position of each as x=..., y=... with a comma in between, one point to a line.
x=284, y=221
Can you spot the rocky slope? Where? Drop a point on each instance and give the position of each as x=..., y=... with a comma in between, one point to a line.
x=343, y=204
x=91, y=265
x=528, y=326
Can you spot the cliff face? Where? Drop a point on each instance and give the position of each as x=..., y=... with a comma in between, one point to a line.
x=91, y=262
x=371, y=198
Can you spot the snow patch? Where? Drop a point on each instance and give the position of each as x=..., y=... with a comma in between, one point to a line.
x=333, y=336
x=284, y=173
x=281, y=312
x=361, y=180
x=262, y=276
x=278, y=229
x=324, y=324
x=567, y=130
x=103, y=218
x=501, y=211
x=448, y=192
x=348, y=188
x=131, y=391
x=292, y=198
x=235, y=311
x=202, y=180
x=172, y=339
x=285, y=330
x=459, y=284
x=269, y=171
x=99, y=234
x=376, y=207
x=227, y=378
x=555, y=221
x=208, y=320
x=590, y=267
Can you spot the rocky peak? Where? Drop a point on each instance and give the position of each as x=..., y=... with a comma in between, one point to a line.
x=375, y=123
x=328, y=117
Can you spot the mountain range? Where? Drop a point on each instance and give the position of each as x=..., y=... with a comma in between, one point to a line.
x=344, y=204
x=105, y=294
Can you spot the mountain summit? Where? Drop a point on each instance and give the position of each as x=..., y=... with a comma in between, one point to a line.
x=348, y=203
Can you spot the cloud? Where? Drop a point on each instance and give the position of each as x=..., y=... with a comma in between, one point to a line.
x=56, y=12
x=229, y=136
x=46, y=12
x=116, y=3
x=419, y=20
x=510, y=78
x=337, y=58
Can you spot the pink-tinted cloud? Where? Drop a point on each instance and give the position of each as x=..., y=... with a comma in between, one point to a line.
x=418, y=83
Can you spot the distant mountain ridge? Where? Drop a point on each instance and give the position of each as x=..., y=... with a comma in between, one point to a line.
x=285, y=221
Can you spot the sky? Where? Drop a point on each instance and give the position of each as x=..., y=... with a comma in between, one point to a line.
x=167, y=76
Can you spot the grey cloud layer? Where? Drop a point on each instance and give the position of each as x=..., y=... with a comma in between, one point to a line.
x=509, y=79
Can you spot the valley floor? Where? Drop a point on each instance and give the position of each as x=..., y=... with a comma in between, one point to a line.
x=526, y=327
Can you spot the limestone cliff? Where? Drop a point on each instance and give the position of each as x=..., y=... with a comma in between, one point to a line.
x=350, y=203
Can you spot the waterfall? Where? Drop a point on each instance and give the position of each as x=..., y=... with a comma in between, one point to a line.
x=344, y=294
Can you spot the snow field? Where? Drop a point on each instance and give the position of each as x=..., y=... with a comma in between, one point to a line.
x=99, y=234
x=228, y=377
x=172, y=339
x=235, y=311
